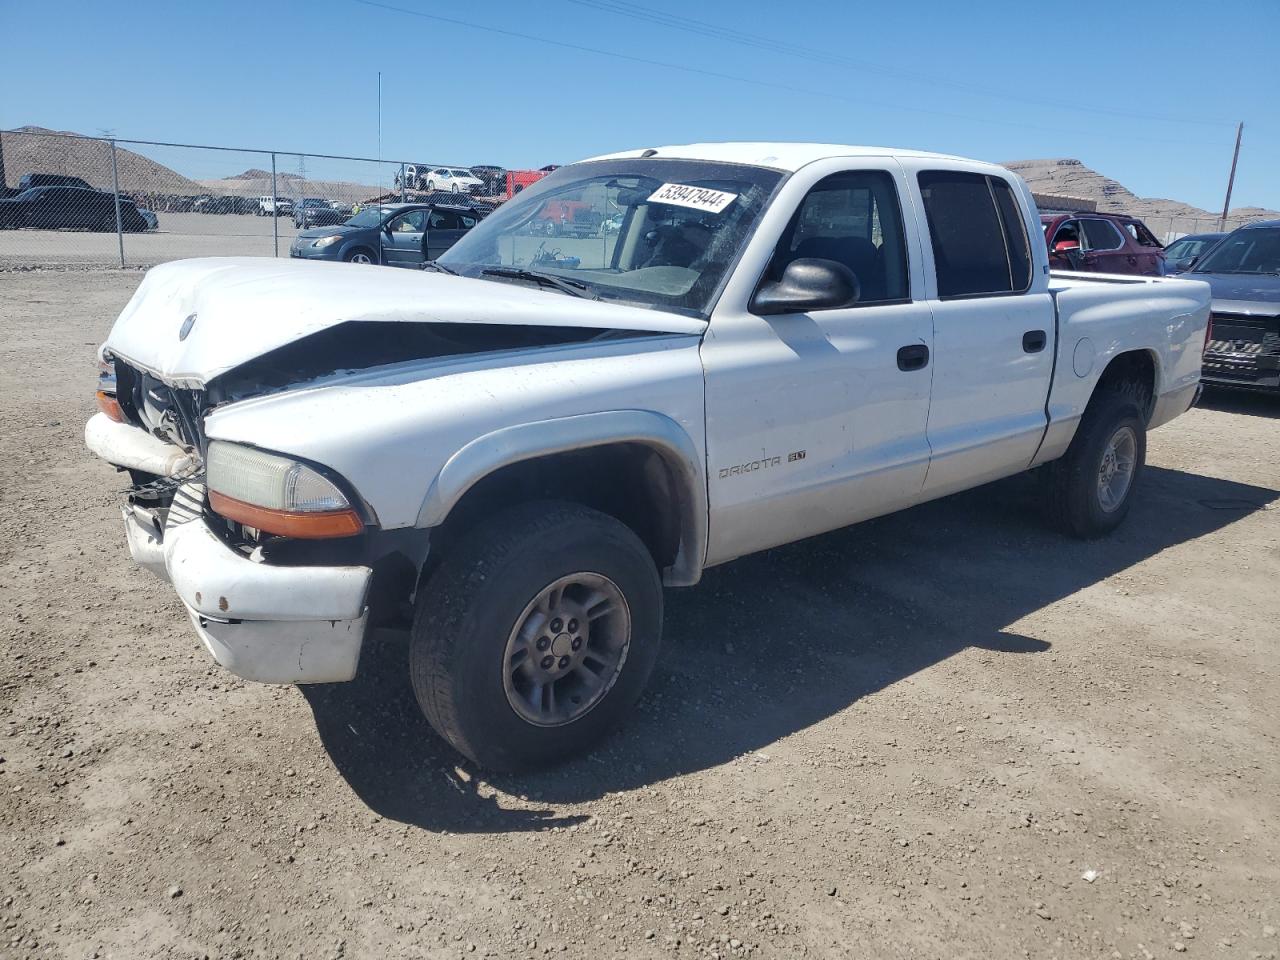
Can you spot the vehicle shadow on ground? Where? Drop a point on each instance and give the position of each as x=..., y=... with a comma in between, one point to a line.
x=776, y=642
x=1243, y=402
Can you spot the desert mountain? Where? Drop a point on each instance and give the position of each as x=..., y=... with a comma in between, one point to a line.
x=1072, y=178
x=35, y=150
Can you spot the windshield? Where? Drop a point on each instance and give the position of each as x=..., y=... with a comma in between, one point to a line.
x=461, y=173
x=649, y=232
x=1248, y=250
x=1185, y=247
x=368, y=217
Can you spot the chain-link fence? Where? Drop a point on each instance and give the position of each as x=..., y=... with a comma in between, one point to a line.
x=70, y=200
x=81, y=201
x=1169, y=229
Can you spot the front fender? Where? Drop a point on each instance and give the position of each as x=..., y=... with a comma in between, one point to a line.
x=526, y=441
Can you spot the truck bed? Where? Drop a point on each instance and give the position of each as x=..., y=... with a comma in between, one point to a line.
x=1101, y=315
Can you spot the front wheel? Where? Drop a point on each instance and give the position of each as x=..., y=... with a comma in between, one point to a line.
x=359, y=255
x=1090, y=489
x=536, y=634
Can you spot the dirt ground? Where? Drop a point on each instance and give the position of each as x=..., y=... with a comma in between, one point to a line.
x=943, y=734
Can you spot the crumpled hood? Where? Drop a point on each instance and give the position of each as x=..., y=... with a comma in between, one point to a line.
x=247, y=306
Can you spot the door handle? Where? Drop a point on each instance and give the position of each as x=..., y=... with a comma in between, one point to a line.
x=914, y=356
x=1033, y=341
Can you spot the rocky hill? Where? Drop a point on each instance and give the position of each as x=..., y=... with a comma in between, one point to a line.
x=1072, y=178
x=36, y=150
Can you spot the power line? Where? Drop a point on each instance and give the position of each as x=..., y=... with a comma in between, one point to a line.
x=753, y=81
x=812, y=54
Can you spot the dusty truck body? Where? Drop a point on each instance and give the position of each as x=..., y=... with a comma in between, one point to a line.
x=513, y=451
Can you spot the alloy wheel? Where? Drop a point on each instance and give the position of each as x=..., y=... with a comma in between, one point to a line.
x=567, y=649
x=1115, y=472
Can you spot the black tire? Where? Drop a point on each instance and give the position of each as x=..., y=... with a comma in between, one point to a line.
x=1072, y=496
x=351, y=255
x=470, y=605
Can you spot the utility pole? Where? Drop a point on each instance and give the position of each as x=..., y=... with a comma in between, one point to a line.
x=1231, y=181
x=379, y=153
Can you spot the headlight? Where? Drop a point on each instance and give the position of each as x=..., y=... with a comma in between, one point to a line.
x=327, y=241
x=276, y=494
x=106, y=395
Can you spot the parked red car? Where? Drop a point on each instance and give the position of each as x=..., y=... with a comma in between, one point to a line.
x=1102, y=243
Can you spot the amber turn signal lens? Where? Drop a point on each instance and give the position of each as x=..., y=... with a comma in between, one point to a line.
x=316, y=525
x=109, y=405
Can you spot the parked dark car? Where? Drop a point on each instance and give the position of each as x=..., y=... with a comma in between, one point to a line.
x=1242, y=347
x=1102, y=243
x=29, y=180
x=63, y=208
x=492, y=177
x=317, y=212
x=1183, y=252
x=394, y=234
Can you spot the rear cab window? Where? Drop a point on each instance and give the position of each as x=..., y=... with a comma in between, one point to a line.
x=979, y=239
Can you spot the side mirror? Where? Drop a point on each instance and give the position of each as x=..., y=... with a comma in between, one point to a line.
x=808, y=284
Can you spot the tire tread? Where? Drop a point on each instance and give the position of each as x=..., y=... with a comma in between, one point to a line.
x=445, y=604
x=1065, y=480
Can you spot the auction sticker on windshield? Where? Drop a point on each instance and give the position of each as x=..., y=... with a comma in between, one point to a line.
x=696, y=198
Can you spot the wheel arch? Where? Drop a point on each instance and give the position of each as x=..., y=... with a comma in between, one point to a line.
x=640, y=466
x=1132, y=369
x=358, y=246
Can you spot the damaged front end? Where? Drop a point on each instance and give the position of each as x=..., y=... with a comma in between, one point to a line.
x=281, y=563
x=292, y=622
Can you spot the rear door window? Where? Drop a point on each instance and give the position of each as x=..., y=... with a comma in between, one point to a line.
x=980, y=245
x=1102, y=235
x=443, y=220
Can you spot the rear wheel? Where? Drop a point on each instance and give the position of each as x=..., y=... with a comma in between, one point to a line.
x=1090, y=489
x=536, y=635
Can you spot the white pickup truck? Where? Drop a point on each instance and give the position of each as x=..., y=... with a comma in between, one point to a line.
x=515, y=449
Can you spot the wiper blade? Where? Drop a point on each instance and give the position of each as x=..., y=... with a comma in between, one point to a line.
x=435, y=265
x=575, y=288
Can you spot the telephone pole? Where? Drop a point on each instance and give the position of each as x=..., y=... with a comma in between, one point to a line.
x=1231, y=181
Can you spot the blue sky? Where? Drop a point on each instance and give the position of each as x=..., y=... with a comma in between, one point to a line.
x=1147, y=93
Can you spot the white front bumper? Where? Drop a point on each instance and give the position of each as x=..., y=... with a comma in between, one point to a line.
x=263, y=622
